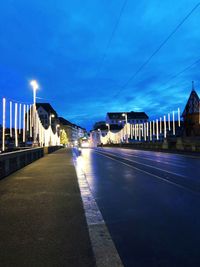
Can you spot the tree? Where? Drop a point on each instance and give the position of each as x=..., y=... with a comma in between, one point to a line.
x=63, y=137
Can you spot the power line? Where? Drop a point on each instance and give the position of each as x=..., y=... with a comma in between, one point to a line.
x=111, y=37
x=159, y=47
x=174, y=76
x=183, y=70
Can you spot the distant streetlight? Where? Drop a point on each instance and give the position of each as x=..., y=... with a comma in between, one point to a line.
x=35, y=86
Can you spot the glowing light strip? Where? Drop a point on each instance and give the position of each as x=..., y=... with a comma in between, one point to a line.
x=173, y=117
x=27, y=117
x=150, y=131
x=169, y=125
x=179, y=118
x=16, y=136
x=10, y=118
x=30, y=107
x=20, y=115
x=24, y=123
x=4, y=124
x=157, y=131
x=165, y=128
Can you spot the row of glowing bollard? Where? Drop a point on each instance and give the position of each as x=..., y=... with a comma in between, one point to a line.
x=151, y=130
x=26, y=122
x=146, y=131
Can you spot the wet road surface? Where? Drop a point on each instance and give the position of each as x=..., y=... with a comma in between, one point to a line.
x=150, y=202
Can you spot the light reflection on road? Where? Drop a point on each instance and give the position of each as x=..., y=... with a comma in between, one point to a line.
x=152, y=222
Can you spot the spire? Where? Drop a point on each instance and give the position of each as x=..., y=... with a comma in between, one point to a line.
x=192, y=85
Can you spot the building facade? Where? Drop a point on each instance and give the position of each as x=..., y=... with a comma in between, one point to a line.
x=119, y=118
x=48, y=116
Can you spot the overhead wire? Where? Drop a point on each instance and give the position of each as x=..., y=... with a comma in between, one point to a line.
x=158, y=48
x=111, y=37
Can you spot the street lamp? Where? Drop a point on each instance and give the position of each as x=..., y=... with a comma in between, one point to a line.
x=35, y=86
x=126, y=120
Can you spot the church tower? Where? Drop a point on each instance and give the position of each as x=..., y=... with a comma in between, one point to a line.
x=191, y=114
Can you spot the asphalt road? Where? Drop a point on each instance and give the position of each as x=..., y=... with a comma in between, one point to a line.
x=150, y=202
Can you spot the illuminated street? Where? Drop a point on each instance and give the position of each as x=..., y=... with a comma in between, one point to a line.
x=150, y=202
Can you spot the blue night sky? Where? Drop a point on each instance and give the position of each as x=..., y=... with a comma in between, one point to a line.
x=82, y=55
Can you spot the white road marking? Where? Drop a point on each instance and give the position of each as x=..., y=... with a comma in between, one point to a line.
x=146, y=165
x=148, y=173
x=105, y=252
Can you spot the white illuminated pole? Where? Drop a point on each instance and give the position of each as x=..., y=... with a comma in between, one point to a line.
x=131, y=131
x=157, y=130
x=165, y=128
x=27, y=117
x=160, y=125
x=20, y=117
x=10, y=118
x=145, y=132
x=147, y=128
x=150, y=131
x=16, y=137
x=135, y=131
x=169, y=126
x=24, y=123
x=126, y=120
x=35, y=86
x=4, y=124
x=173, y=123
x=30, y=120
x=139, y=132
x=179, y=118
x=142, y=127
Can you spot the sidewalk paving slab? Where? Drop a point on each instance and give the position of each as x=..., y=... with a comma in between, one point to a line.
x=42, y=221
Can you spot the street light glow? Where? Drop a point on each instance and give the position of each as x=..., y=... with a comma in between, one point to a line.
x=34, y=84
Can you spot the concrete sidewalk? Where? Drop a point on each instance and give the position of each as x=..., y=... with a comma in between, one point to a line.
x=42, y=221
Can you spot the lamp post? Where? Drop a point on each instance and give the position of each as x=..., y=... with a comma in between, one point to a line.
x=126, y=120
x=35, y=86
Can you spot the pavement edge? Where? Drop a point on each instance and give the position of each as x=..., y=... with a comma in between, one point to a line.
x=104, y=250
